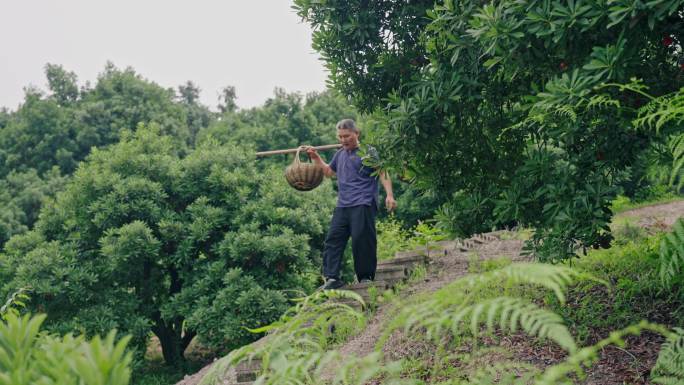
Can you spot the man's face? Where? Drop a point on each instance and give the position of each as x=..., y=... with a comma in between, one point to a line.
x=348, y=138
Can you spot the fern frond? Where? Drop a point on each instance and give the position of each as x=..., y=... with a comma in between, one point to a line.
x=664, y=110
x=584, y=357
x=553, y=277
x=566, y=111
x=505, y=313
x=669, y=368
x=675, y=146
x=671, y=267
x=505, y=373
x=602, y=101
x=300, y=336
x=475, y=300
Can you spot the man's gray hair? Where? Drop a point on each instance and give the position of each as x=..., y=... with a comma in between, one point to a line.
x=348, y=124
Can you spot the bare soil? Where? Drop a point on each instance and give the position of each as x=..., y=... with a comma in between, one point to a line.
x=657, y=217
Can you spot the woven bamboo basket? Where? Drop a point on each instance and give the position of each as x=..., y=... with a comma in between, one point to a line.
x=303, y=176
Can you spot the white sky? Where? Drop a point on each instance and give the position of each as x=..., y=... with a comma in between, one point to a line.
x=254, y=45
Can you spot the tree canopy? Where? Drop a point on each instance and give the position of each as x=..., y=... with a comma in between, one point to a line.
x=143, y=238
x=523, y=112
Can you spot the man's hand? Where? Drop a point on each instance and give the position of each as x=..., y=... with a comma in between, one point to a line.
x=316, y=158
x=313, y=154
x=390, y=203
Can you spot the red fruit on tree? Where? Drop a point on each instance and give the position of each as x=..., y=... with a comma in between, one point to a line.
x=667, y=41
x=563, y=66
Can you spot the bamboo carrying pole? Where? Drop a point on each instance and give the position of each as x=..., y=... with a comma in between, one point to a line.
x=293, y=150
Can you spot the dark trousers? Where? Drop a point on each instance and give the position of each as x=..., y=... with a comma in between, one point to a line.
x=359, y=223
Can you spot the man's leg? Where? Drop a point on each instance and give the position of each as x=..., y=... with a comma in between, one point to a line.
x=364, y=241
x=335, y=242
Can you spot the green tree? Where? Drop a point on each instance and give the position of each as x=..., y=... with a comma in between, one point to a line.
x=144, y=238
x=523, y=112
x=4, y=117
x=22, y=195
x=197, y=115
x=286, y=120
x=39, y=135
x=121, y=100
x=60, y=129
x=62, y=84
x=371, y=48
x=227, y=100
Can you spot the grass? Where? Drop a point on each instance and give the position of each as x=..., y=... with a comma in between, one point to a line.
x=631, y=293
x=625, y=229
x=476, y=265
x=623, y=203
x=631, y=269
x=157, y=373
x=153, y=371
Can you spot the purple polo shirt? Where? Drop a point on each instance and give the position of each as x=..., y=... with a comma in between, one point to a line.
x=356, y=186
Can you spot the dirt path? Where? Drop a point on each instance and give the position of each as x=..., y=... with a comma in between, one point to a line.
x=658, y=217
x=442, y=271
x=446, y=268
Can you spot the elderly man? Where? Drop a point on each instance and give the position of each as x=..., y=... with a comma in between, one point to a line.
x=357, y=205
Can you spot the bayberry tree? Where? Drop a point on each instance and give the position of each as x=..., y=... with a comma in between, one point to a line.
x=512, y=112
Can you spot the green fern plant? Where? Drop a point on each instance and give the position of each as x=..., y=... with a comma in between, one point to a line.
x=662, y=113
x=675, y=146
x=295, y=350
x=467, y=304
x=669, y=368
x=574, y=364
x=505, y=373
x=672, y=256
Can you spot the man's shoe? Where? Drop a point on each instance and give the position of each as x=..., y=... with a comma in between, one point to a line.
x=332, y=283
x=365, y=280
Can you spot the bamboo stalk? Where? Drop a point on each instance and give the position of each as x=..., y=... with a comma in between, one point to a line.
x=293, y=150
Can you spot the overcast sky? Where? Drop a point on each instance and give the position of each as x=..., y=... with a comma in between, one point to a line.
x=254, y=45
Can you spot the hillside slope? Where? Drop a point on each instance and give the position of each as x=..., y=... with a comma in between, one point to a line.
x=450, y=263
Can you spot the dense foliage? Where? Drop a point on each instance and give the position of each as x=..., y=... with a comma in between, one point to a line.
x=21, y=196
x=43, y=141
x=144, y=239
x=32, y=357
x=132, y=206
x=518, y=114
x=50, y=133
x=170, y=226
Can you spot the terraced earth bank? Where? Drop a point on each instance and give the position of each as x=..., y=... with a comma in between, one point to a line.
x=446, y=261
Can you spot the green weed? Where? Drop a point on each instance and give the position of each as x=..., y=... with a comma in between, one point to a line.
x=633, y=293
x=476, y=265
x=519, y=235
x=623, y=203
x=624, y=229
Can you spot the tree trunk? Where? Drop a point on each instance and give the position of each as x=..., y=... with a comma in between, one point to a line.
x=170, y=332
x=171, y=344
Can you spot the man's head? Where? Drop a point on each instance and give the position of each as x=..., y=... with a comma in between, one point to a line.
x=348, y=134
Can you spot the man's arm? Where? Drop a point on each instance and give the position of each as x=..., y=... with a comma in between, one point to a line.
x=390, y=203
x=316, y=158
